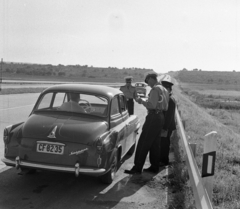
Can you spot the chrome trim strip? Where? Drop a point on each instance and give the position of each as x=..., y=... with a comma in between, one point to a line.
x=8, y=161
x=57, y=168
x=47, y=142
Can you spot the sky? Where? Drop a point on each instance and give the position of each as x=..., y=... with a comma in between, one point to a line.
x=163, y=35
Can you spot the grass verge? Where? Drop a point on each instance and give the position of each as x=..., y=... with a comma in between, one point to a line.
x=21, y=90
x=226, y=190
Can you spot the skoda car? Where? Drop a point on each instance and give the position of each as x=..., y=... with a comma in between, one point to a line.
x=141, y=88
x=87, y=136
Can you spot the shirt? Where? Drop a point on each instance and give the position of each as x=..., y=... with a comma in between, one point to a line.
x=130, y=93
x=157, y=99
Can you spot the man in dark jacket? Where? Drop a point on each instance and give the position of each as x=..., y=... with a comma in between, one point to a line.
x=169, y=124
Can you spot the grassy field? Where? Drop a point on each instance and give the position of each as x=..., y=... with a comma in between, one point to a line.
x=215, y=107
x=21, y=90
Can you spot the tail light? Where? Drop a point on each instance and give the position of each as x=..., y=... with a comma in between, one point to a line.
x=6, y=137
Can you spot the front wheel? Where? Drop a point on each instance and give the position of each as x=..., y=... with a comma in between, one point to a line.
x=108, y=177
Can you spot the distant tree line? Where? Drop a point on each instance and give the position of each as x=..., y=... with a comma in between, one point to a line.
x=72, y=71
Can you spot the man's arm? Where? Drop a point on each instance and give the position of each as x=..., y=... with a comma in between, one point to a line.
x=151, y=103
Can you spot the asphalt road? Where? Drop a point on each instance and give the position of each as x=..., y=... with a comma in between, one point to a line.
x=50, y=190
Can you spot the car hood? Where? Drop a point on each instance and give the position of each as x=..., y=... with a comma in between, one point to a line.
x=79, y=129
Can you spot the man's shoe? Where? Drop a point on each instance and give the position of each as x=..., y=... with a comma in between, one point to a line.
x=151, y=170
x=132, y=171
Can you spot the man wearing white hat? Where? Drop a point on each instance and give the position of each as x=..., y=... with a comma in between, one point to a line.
x=169, y=124
x=130, y=93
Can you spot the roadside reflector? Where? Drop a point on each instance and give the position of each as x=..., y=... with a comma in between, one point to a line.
x=208, y=164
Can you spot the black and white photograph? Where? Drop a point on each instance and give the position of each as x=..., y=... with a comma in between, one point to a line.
x=115, y=104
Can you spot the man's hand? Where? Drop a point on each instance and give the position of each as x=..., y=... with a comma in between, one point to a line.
x=139, y=100
x=164, y=133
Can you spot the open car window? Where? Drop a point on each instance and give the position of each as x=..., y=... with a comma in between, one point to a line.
x=80, y=103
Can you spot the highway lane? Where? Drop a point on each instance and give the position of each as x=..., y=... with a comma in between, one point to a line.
x=44, y=84
x=14, y=108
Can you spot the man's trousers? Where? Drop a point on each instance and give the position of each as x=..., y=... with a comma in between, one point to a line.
x=164, y=148
x=149, y=141
x=130, y=105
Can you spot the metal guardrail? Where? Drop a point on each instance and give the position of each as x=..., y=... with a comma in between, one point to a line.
x=201, y=196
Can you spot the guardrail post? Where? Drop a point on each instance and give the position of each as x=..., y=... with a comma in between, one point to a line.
x=209, y=156
x=184, y=124
x=194, y=148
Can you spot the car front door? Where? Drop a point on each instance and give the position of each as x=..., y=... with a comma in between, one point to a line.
x=117, y=123
x=130, y=121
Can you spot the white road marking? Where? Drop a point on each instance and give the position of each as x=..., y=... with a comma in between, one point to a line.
x=16, y=107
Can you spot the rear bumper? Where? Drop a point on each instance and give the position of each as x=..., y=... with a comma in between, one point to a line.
x=88, y=171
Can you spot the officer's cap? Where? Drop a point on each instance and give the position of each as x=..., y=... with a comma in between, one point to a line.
x=150, y=74
x=128, y=78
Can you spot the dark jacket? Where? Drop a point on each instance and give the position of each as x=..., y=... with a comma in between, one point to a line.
x=170, y=123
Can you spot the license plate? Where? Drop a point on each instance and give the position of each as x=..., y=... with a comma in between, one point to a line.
x=51, y=148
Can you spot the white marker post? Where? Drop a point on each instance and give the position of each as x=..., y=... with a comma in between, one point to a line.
x=209, y=156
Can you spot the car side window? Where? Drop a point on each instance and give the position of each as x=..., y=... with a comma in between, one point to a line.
x=59, y=99
x=122, y=103
x=46, y=101
x=115, y=106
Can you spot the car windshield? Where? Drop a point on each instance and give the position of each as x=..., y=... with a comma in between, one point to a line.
x=140, y=85
x=73, y=102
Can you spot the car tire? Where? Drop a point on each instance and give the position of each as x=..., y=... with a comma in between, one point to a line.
x=108, y=177
x=132, y=149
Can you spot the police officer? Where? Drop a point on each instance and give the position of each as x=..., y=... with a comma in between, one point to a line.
x=130, y=93
x=149, y=140
x=169, y=124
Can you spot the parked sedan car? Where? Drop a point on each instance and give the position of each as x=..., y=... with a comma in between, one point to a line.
x=83, y=129
x=141, y=88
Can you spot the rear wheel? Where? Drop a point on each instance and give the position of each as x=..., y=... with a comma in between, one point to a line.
x=108, y=177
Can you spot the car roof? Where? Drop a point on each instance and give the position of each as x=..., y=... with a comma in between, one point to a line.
x=106, y=91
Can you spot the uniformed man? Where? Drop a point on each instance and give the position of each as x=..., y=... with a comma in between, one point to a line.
x=169, y=124
x=149, y=140
x=130, y=93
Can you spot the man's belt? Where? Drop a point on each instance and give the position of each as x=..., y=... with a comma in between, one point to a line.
x=154, y=111
x=128, y=99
